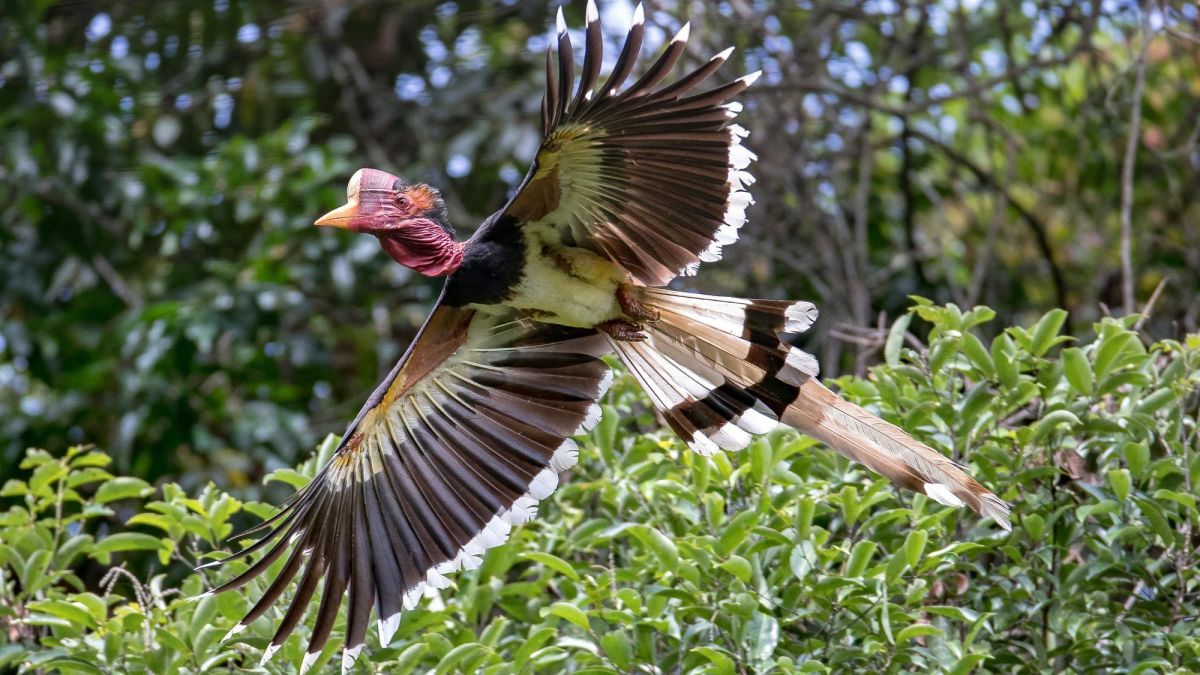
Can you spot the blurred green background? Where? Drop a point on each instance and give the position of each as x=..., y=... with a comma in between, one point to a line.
x=164, y=296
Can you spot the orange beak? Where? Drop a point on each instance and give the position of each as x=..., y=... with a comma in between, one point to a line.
x=341, y=217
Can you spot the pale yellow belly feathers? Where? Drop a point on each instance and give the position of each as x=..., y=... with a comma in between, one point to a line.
x=567, y=285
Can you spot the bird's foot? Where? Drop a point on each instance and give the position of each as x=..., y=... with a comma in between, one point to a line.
x=622, y=330
x=633, y=308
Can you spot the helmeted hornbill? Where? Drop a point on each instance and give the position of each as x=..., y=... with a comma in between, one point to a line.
x=632, y=186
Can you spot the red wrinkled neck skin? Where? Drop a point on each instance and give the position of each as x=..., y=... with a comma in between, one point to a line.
x=423, y=245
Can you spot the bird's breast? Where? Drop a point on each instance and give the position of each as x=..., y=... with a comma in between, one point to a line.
x=567, y=285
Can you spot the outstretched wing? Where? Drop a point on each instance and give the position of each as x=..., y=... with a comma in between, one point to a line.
x=649, y=176
x=467, y=433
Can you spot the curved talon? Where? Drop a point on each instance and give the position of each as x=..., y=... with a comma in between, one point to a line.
x=633, y=308
x=623, y=331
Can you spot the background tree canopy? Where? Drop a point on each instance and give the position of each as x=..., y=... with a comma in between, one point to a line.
x=164, y=296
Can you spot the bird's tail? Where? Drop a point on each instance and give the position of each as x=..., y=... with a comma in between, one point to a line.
x=719, y=373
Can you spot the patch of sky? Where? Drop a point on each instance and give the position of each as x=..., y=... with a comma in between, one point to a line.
x=410, y=87
x=222, y=110
x=434, y=49
x=249, y=33
x=468, y=49
x=858, y=53
x=510, y=174
x=812, y=105
x=458, y=166
x=98, y=27
x=119, y=48
x=439, y=76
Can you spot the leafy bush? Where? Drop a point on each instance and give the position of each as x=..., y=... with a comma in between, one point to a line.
x=779, y=557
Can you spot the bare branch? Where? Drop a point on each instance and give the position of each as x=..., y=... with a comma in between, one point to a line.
x=1131, y=146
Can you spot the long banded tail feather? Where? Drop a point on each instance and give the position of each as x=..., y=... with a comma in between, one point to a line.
x=719, y=372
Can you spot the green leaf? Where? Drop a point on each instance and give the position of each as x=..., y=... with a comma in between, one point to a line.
x=122, y=487
x=738, y=567
x=125, y=541
x=1120, y=482
x=1078, y=370
x=618, y=648
x=1045, y=331
x=661, y=544
x=1051, y=421
x=895, y=340
x=860, y=556
x=914, y=546
x=722, y=664
x=917, y=630
x=566, y=610
x=75, y=613
x=553, y=562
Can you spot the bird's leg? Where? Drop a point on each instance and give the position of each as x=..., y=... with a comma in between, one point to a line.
x=622, y=330
x=629, y=329
x=633, y=308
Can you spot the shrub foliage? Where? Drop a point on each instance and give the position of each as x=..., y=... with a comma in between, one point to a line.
x=780, y=557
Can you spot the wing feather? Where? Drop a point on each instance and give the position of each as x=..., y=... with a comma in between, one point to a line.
x=649, y=176
x=456, y=446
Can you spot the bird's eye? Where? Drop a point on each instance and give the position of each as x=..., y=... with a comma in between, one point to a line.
x=401, y=200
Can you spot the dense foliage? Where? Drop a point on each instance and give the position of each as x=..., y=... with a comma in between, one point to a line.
x=163, y=295
x=779, y=557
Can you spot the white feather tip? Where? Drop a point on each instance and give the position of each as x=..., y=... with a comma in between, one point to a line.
x=942, y=494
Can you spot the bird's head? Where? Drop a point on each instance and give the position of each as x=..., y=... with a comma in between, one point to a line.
x=409, y=220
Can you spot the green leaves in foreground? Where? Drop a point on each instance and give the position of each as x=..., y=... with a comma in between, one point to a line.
x=778, y=558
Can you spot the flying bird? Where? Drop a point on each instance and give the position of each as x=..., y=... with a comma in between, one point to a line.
x=634, y=184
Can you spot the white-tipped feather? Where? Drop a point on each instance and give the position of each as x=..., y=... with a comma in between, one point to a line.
x=560, y=24
x=756, y=423
x=268, y=653
x=237, y=628
x=387, y=629
x=730, y=437
x=740, y=157
x=722, y=55
x=565, y=456
x=592, y=15
x=799, y=317
x=523, y=510
x=751, y=78
x=413, y=595
x=684, y=33
x=543, y=484
x=639, y=15
x=703, y=446
x=605, y=382
x=800, y=361
x=436, y=579
x=349, y=656
x=309, y=659
x=590, y=419
x=942, y=494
